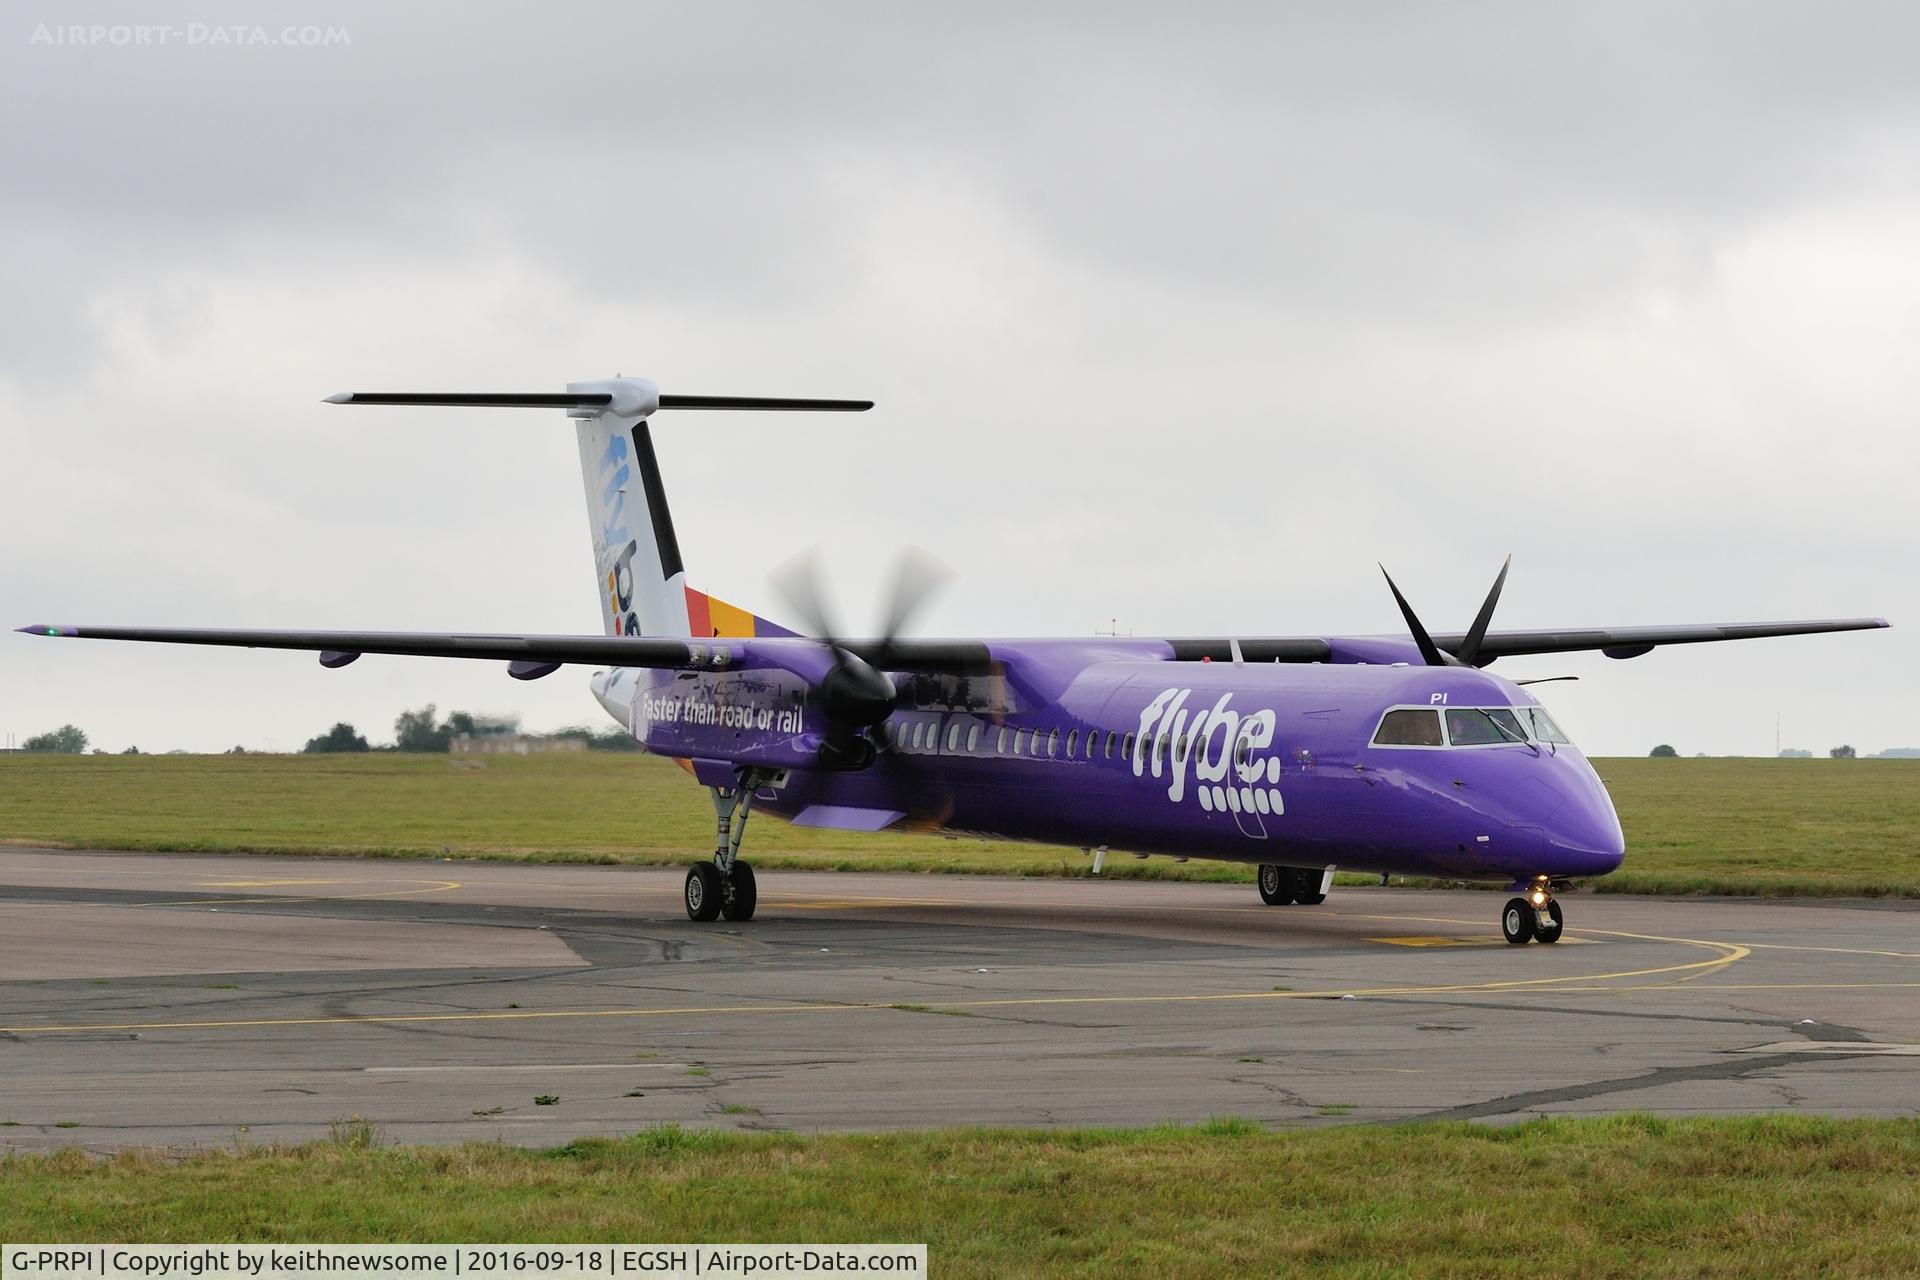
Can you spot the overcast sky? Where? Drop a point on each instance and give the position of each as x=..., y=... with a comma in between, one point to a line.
x=1180, y=315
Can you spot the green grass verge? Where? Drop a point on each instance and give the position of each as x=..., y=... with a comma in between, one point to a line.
x=1630, y=1196
x=1814, y=827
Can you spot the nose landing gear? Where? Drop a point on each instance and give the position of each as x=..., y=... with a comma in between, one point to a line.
x=1536, y=917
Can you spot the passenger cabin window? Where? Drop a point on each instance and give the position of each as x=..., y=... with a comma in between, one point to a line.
x=1053, y=742
x=1126, y=746
x=953, y=737
x=973, y=738
x=1000, y=743
x=1073, y=742
x=1412, y=727
x=919, y=730
x=1020, y=742
x=1483, y=726
x=1109, y=746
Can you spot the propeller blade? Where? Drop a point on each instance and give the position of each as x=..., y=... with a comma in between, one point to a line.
x=1477, y=633
x=916, y=580
x=1429, y=651
x=798, y=584
x=856, y=697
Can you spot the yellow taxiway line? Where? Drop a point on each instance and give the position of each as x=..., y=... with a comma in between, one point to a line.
x=1730, y=953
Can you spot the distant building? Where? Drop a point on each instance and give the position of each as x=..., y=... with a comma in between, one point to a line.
x=511, y=744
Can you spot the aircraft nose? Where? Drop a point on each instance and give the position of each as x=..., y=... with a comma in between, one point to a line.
x=1584, y=838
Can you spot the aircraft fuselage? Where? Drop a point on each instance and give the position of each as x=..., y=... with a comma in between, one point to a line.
x=1258, y=763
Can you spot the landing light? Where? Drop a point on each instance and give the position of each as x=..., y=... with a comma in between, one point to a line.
x=1539, y=898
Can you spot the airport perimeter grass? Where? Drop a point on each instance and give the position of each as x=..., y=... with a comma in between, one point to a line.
x=1814, y=827
x=1626, y=1196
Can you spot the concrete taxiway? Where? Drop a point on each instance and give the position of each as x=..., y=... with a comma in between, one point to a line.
x=175, y=1001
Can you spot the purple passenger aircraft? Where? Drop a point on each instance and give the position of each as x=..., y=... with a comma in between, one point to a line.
x=1298, y=754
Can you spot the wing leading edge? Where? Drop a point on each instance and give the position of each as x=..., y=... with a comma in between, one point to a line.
x=1631, y=642
x=536, y=655
x=539, y=654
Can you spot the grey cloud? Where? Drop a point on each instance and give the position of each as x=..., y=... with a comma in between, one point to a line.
x=1181, y=315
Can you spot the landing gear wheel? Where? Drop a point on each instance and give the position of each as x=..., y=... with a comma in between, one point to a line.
x=1516, y=922
x=1276, y=885
x=1550, y=933
x=1306, y=886
x=703, y=892
x=738, y=895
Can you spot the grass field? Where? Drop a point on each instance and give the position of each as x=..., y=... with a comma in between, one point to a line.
x=1631, y=1196
x=1822, y=827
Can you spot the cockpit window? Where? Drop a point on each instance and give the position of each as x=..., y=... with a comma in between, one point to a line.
x=1466, y=727
x=1544, y=729
x=1483, y=726
x=1412, y=727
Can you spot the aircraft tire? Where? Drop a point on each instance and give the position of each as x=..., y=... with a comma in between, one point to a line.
x=1306, y=886
x=738, y=893
x=1516, y=922
x=1552, y=932
x=703, y=894
x=1276, y=885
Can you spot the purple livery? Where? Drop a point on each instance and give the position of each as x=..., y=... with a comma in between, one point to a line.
x=1297, y=754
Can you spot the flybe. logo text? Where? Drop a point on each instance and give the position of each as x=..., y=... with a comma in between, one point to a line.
x=1227, y=754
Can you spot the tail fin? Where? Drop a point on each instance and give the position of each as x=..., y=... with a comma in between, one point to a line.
x=642, y=583
x=635, y=553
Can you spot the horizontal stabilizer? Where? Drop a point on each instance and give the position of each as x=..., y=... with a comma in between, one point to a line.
x=589, y=400
x=477, y=399
x=763, y=402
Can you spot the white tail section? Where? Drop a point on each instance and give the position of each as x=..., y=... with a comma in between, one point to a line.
x=641, y=581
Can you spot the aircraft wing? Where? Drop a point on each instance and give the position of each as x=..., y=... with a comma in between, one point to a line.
x=531, y=656
x=338, y=648
x=1615, y=642
x=1631, y=642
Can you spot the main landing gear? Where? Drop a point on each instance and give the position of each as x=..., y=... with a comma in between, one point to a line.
x=1304, y=885
x=725, y=887
x=1536, y=917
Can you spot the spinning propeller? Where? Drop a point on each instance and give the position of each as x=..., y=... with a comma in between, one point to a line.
x=855, y=695
x=1468, y=654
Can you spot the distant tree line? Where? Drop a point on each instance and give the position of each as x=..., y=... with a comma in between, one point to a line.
x=66, y=740
x=424, y=731
x=415, y=731
x=1841, y=752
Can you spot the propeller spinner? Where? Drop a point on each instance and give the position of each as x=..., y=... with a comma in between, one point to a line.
x=855, y=695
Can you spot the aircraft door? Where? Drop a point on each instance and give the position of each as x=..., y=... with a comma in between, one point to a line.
x=1305, y=772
